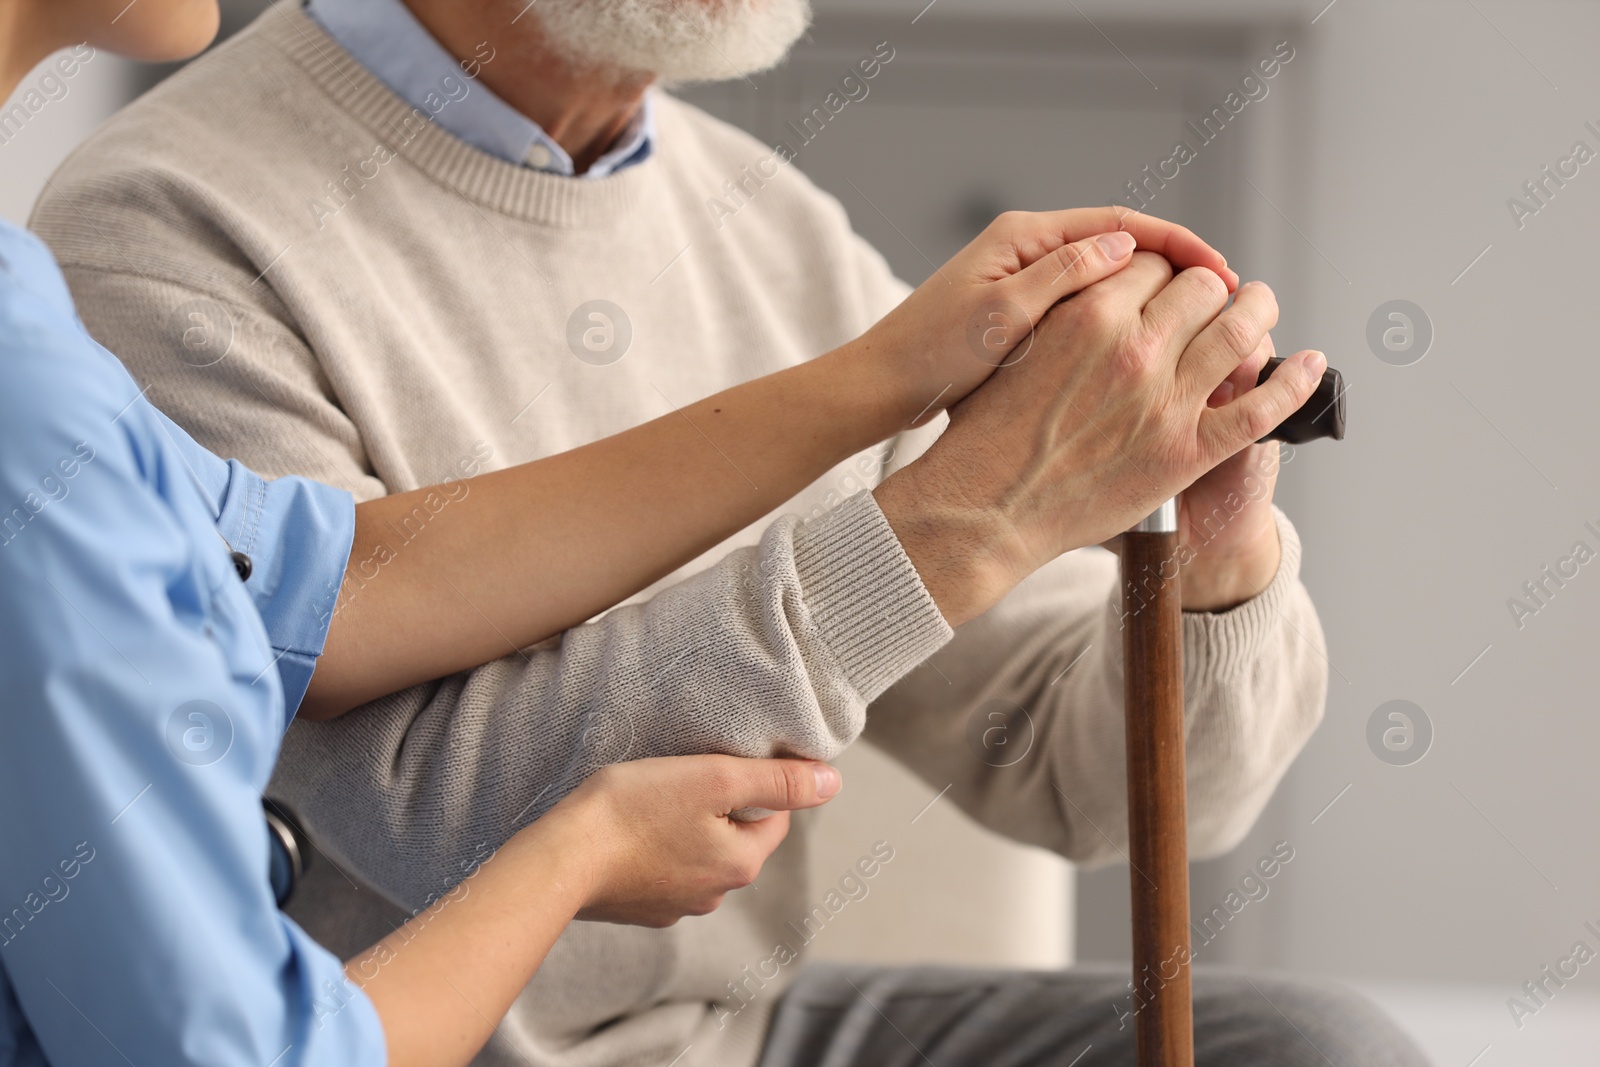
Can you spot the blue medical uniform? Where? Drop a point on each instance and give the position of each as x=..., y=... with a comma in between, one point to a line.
x=144, y=690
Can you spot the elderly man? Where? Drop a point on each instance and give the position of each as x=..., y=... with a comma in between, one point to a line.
x=381, y=243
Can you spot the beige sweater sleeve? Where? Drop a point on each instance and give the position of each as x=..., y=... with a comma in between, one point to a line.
x=1021, y=715
x=775, y=650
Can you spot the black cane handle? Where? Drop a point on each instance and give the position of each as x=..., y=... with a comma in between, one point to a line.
x=1321, y=416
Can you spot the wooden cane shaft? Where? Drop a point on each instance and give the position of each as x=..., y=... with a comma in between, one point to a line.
x=1152, y=644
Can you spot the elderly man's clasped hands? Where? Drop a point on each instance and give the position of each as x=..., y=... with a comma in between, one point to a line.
x=1107, y=371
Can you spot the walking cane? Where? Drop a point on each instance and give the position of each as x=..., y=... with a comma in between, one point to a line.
x=1152, y=647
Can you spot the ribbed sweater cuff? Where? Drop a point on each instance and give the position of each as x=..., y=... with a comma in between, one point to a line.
x=1223, y=646
x=865, y=596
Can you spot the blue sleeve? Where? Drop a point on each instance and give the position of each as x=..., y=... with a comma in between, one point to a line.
x=141, y=720
x=297, y=533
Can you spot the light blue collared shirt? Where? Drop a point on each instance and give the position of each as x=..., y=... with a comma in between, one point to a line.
x=146, y=689
x=386, y=38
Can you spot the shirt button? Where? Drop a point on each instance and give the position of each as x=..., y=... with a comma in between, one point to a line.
x=243, y=565
x=539, y=157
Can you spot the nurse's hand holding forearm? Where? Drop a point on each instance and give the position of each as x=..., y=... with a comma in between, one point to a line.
x=662, y=845
x=645, y=842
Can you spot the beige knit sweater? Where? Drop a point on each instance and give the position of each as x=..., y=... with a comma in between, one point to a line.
x=395, y=309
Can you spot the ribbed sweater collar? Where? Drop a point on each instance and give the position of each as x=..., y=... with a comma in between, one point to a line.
x=494, y=184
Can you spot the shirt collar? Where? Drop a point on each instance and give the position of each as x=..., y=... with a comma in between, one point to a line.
x=386, y=38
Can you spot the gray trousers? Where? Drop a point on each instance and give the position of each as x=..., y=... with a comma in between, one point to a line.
x=856, y=1016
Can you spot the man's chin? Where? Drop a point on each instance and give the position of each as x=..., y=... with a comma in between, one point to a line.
x=676, y=42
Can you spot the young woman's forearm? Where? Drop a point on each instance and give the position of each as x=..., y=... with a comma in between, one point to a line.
x=446, y=578
x=442, y=981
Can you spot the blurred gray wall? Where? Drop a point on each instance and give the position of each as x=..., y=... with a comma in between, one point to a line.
x=1465, y=475
x=67, y=109
x=1379, y=169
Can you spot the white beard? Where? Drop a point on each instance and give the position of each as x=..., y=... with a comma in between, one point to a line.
x=676, y=40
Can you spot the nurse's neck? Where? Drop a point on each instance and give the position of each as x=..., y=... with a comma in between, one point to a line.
x=24, y=43
x=160, y=31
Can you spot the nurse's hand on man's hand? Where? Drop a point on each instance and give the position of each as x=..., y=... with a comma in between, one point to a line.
x=1108, y=415
x=655, y=839
x=947, y=337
